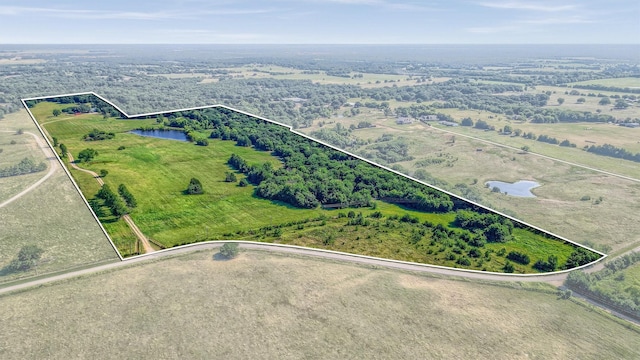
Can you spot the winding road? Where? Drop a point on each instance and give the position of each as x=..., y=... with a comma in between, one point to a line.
x=146, y=245
x=53, y=165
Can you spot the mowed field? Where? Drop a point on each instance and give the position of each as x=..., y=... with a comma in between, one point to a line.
x=266, y=306
x=52, y=217
x=558, y=206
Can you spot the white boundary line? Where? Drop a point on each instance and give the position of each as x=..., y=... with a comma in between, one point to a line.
x=290, y=128
x=70, y=177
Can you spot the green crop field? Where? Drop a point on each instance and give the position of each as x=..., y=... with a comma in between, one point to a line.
x=271, y=306
x=157, y=172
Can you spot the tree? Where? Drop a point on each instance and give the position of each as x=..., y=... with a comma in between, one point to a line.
x=103, y=172
x=621, y=104
x=508, y=267
x=195, y=187
x=243, y=182
x=605, y=101
x=55, y=141
x=56, y=112
x=27, y=258
x=560, y=101
x=230, y=177
x=63, y=150
x=229, y=250
x=466, y=122
x=581, y=100
x=87, y=155
x=497, y=233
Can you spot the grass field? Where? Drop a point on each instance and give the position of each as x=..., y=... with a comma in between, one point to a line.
x=630, y=82
x=368, y=80
x=562, y=185
x=52, y=217
x=14, y=149
x=157, y=172
x=262, y=305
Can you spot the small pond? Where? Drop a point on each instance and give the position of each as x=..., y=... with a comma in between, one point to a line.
x=162, y=134
x=520, y=188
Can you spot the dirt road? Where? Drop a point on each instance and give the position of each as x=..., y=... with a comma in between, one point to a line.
x=146, y=245
x=53, y=165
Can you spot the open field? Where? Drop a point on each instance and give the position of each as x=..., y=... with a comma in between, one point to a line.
x=630, y=82
x=262, y=305
x=52, y=216
x=14, y=149
x=368, y=80
x=157, y=171
x=474, y=162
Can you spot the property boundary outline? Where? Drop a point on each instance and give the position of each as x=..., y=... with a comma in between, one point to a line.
x=290, y=128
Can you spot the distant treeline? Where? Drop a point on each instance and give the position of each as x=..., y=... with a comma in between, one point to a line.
x=607, y=88
x=25, y=166
x=612, y=151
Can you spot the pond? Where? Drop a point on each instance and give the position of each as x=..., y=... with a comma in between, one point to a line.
x=162, y=134
x=520, y=188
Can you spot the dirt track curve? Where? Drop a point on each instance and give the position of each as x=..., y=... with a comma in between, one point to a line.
x=53, y=165
x=134, y=228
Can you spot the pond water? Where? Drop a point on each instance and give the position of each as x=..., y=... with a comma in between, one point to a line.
x=520, y=188
x=162, y=134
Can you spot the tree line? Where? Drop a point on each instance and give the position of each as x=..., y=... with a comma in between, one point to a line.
x=25, y=166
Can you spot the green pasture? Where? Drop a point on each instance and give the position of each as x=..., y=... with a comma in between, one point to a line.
x=157, y=171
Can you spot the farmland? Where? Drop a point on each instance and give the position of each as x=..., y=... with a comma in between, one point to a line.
x=157, y=171
x=297, y=307
x=52, y=216
x=465, y=165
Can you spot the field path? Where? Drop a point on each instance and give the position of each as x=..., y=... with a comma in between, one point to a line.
x=536, y=154
x=134, y=228
x=53, y=165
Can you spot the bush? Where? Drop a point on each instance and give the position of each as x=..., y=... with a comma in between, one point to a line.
x=519, y=257
x=508, y=267
x=229, y=250
x=195, y=187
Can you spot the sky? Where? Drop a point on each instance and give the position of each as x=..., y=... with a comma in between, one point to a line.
x=320, y=22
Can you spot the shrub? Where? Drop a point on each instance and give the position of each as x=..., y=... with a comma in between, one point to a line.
x=519, y=257
x=229, y=250
x=195, y=187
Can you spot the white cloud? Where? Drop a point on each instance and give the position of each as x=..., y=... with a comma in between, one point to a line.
x=533, y=6
x=124, y=15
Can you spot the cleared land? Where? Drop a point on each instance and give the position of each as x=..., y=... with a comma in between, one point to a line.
x=157, y=171
x=630, y=82
x=294, y=307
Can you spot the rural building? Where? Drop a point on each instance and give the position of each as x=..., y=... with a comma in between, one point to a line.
x=630, y=125
x=448, y=123
x=403, y=120
x=425, y=118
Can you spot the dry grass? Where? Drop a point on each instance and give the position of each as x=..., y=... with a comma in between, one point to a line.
x=557, y=208
x=52, y=216
x=280, y=307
